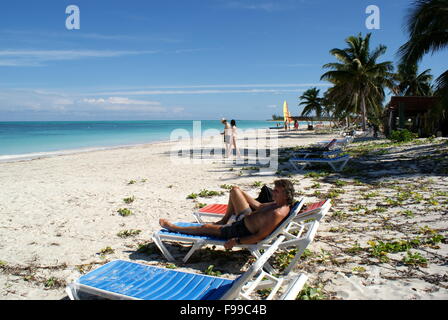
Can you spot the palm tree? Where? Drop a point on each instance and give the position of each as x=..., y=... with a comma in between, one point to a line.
x=410, y=83
x=358, y=79
x=329, y=107
x=427, y=27
x=312, y=102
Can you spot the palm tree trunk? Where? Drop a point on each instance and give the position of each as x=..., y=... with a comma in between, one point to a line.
x=364, y=113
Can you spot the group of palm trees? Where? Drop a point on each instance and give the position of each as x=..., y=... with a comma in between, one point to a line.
x=359, y=81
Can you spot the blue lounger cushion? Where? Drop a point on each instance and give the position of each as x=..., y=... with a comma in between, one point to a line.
x=138, y=281
x=321, y=159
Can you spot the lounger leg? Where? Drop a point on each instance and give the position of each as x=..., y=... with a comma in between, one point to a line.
x=294, y=165
x=267, y=266
x=162, y=248
x=198, y=217
x=294, y=287
x=339, y=167
x=294, y=261
x=297, y=167
x=197, y=245
x=332, y=166
x=344, y=163
x=72, y=292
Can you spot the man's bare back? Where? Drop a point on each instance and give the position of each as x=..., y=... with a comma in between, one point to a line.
x=266, y=218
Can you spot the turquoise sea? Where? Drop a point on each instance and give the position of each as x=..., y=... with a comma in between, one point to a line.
x=29, y=139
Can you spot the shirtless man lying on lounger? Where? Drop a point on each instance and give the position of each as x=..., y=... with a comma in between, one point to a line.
x=259, y=219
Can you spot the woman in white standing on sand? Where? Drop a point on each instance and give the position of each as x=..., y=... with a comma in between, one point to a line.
x=233, y=138
x=227, y=135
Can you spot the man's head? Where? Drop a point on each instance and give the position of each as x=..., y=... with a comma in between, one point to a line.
x=284, y=191
x=223, y=120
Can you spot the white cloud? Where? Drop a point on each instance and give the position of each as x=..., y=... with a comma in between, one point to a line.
x=259, y=5
x=178, y=109
x=37, y=57
x=180, y=92
x=23, y=100
x=216, y=89
x=35, y=100
x=32, y=35
x=119, y=100
x=122, y=103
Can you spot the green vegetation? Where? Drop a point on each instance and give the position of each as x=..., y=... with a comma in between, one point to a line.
x=107, y=250
x=380, y=249
x=284, y=258
x=129, y=200
x=358, y=207
x=53, y=283
x=146, y=248
x=340, y=215
x=192, y=196
x=124, y=212
x=209, y=193
x=314, y=174
x=309, y=293
x=128, y=233
x=408, y=213
x=354, y=249
x=204, y=193
x=257, y=184
x=370, y=195
x=334, y=193
x=402, y=135
x=211, y=272
x=340, y=183
x=316, y=185
x=359, y=269
x=415, y=259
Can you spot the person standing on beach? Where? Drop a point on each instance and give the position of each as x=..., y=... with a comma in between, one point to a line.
x=296, y=125
x=233, y=137
x=255, y=226
x=227, y=135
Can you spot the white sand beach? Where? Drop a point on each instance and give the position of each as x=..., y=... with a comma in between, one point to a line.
x=59, y=217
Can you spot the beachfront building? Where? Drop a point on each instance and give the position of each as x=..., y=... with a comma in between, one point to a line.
x=415, y=114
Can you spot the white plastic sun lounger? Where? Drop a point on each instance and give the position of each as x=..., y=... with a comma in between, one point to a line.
x=344, y=141
x=306, y=154
x=309, y=211
x=126, y=280
x=337, y=163
x=199, y=241
x=298, y=236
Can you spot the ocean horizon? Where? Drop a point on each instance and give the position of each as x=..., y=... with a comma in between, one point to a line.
x=31, y=139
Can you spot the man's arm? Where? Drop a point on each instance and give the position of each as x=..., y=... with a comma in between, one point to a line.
x=252, y=239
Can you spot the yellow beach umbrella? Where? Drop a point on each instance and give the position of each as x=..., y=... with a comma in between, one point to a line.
x=286, y=114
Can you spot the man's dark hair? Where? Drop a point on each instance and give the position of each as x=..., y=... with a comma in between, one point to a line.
x=288, y=187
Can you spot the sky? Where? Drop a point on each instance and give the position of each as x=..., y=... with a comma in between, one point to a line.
x=186, y=59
